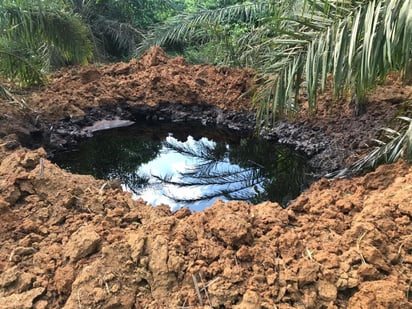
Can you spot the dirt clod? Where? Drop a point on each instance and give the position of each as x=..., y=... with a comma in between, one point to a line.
x=82, y=243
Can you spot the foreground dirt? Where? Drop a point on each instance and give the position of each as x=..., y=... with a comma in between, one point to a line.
x=71, y=241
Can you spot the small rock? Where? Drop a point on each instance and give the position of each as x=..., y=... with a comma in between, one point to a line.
x=11, y=145
x=373, y=256
x=22, y=300
x=307, y=273
x=82, y=243
x=244, y=254
x=405, y=208
x=182, y=212
x=90, y=76
x=367, y=272
x=251, y=300
x=327, y=291
x=64, y=278
x=9, y=277
x=41, y=304
x=21, y=251
x=32, y=158
x=4, y=206
x=379, y=294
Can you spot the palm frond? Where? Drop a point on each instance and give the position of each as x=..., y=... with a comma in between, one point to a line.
x=55, y=27
x=20, y=63
x=355, y=48
x=124, y=35
x=398, y=146
x=5, y=94
x=188, y=26
x=30, y=33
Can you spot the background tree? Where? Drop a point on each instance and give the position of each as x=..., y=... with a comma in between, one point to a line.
x=37, y=35
x=118, y=26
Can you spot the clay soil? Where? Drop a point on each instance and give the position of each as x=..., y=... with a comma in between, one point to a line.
x=72, y=241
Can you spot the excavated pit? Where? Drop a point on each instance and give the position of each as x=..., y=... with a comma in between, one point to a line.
x=188, y=165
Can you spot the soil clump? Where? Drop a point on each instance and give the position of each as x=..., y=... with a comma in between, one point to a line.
x=71, y=241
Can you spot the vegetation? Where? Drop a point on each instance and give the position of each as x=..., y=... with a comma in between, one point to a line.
x=396, y=144
x=118, y=26
x=297, y=45
x=39, y=35
x=34, y=37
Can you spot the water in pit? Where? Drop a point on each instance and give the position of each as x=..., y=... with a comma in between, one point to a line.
x=190, y=165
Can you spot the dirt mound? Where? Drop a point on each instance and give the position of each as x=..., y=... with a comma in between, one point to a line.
x=152, y=80
x=71, y=241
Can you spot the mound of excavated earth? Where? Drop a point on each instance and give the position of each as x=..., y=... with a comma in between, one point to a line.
x=151, y=81
x=71, y=241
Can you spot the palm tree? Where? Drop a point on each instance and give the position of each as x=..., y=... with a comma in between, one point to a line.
x=34, y=36
x=296, y=46
x=396, y=144
x=207, y=26
x=118, y=26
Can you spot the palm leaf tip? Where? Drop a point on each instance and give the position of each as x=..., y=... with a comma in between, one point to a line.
x=33, y=34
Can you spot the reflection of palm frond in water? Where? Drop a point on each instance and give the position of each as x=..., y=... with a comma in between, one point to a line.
x=276, y=173
x=133, y=181
x=238, y=185
x=399, y=145
x=225, y=177
x=238, y=182
x=203, y=151
x=209, y=155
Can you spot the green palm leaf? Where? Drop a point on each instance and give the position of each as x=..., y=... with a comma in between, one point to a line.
x=399, y=145
x=187, y=26
x=31, y=33
x=356, y=49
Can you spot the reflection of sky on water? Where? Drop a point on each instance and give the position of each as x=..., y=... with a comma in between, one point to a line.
x=194, y=172
x=176, y=166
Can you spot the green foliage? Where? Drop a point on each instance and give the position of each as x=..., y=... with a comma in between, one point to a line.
x=357, y=44
x=296, y=45
x=192, y=6
x=20, y=63
x=32, y=35
x=118, y=26
x=205, y=25
x=36, y=35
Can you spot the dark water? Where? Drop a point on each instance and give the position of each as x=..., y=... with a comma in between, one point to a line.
x=190, y=165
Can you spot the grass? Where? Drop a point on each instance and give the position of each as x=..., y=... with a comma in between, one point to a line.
x=358, y=242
